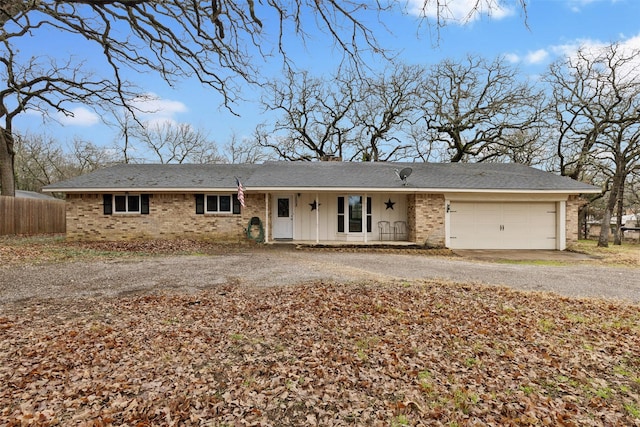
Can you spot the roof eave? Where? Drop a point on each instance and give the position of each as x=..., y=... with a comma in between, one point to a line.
x=319, y=190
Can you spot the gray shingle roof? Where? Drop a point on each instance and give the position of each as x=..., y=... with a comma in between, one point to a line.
x=321, y=175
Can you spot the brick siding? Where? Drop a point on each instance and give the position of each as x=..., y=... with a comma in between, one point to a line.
x=572, y=220
x=170, y=216
x=425, y=216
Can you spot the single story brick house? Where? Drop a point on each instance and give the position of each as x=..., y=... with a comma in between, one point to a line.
x=455, y=205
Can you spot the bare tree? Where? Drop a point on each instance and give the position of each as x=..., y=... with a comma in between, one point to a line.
x=39, y=161
x=170, y=142
x=315, y=116
x=586, y=100
x=127, y=127
x=617, y=155
x=42, y=160
x=530, y=147
x=477, y=110
x=386, y=105
x=596, y=103
x=245, y=150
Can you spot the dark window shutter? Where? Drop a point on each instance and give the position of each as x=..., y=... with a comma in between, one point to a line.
x=144, y=204
x=199, y=204
x=107, y=203
x=236, y=204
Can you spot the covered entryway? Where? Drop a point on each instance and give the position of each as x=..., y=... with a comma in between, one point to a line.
x=503, y=225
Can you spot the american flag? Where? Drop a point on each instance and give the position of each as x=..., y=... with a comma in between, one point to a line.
x=240, y=192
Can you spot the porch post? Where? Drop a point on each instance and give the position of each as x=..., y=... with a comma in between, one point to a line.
x=317, y=220
x=266, y=215
x=561, y=220
x=365, y=218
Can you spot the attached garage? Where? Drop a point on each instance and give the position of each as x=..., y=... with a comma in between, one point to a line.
x=503, y=225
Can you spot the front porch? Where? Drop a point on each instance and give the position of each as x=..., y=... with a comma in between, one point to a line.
x=339, y=219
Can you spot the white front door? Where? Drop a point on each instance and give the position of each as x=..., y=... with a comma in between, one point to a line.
x=283, y=218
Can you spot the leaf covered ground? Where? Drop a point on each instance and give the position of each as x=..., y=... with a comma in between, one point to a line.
x=388, y=354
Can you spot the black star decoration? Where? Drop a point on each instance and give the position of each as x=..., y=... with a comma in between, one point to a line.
x=314, y=206
x=389, y=204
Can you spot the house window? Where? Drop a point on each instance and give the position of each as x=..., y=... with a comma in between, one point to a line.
x=217, y=203
x=126, y=203
x=355, y=214
x=354, y=219
x=283, y=208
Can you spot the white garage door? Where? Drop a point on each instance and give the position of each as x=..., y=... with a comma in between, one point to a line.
x=483, y=225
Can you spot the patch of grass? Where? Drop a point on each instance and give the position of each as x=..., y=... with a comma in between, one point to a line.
x=464, y=400
x=577, y=317
x=627, y=254
x=632, y=409
x=425, y=381
x=546, y=325
x=527, y=389
x=400, y=421
x=363, y=346
x=470, y=362
x=604, y=392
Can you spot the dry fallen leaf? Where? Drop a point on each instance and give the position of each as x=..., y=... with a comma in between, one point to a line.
x=322, y=354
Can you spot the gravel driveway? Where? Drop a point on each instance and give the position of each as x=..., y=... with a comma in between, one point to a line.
x=283, y=267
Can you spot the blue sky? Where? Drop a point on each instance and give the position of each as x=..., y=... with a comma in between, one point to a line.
x=553, y=28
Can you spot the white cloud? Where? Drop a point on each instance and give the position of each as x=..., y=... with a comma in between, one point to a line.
x=81, y=117
x=155, y=111
x=577, y=5
x=512, y=58
x=593, y=48
x=152, y=105
x=459, y=11
x=537, y=56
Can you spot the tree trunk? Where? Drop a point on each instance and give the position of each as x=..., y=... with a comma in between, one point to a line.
x=617, y=237
x=618, y=180
x=583, y=217
x=7, y=177
x=605, y=225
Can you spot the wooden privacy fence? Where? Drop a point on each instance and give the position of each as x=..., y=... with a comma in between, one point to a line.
x=31, y=216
